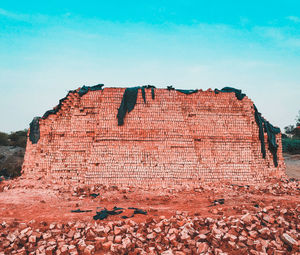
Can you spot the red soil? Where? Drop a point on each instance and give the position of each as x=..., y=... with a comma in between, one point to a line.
x=45, y=202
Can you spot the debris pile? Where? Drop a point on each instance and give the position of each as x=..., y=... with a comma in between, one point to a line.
x=233, y=219
x=271, y=230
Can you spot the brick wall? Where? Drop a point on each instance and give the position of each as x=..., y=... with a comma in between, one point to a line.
x=172, y=139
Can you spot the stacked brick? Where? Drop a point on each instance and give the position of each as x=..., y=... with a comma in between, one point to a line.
x=172, y=139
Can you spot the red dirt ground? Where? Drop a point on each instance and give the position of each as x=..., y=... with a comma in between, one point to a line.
x=23, y=200
x=47, y=202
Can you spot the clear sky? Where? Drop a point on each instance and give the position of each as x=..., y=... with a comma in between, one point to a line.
x=50, y=47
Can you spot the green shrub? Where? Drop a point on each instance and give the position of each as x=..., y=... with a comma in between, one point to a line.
x=291, y=145
x=4, y=139
x=18, y=138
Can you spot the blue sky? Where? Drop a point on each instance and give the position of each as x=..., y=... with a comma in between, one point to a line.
x=48, y=48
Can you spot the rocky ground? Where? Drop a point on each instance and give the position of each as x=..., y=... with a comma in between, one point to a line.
x=220, y=218
x=11, y=159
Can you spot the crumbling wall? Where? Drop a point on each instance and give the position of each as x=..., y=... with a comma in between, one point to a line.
x=174, y=138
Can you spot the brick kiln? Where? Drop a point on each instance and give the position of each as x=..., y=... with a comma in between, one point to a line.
x=170, y=137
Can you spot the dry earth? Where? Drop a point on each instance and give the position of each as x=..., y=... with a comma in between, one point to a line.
x=292, y=163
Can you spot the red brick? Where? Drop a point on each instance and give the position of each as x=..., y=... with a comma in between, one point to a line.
x=173, y=139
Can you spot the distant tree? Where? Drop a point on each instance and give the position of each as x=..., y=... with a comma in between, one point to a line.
x=289, y=129
x=296, y=132
x=298, y=120
x=18, y=138
x=4, y=139
x=293, y=131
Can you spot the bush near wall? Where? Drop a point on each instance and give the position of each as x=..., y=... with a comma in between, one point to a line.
x=291, y=145
x=4, y=139
x=11, y=164
x=12, y=149
x=17, y=138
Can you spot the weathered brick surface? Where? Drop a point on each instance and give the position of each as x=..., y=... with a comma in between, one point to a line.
x=172, y=139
